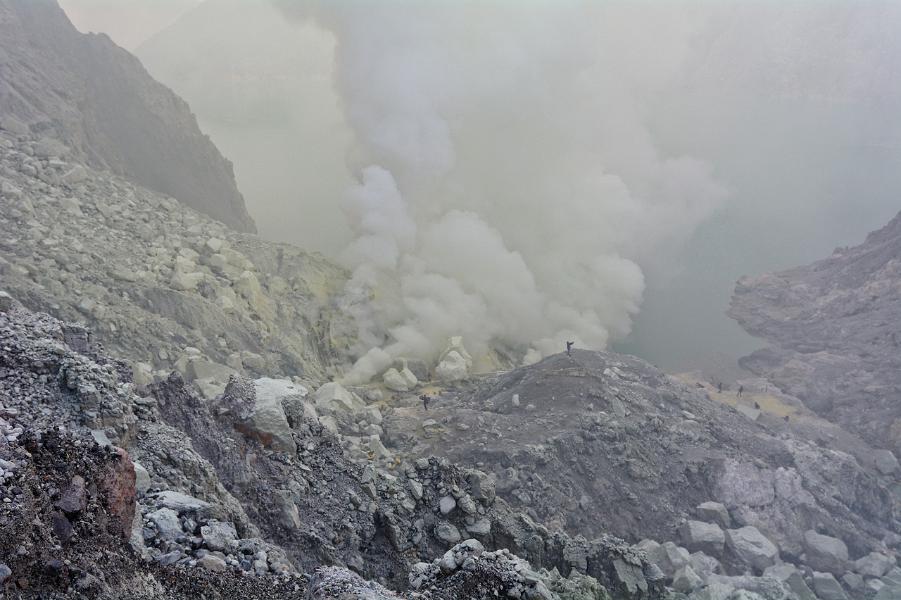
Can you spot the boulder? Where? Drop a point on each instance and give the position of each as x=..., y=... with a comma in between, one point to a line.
x=825, y=553
x=168, y=527
x=751, y=547
x=792, y=578
x=371, y=414
x=181, y=503
x=885, y=461
x=141, y=375
x=686, y=580
x=452, y=368
x=211, y=562
x=705, y=565
x=291, y=396
x=142, y=478
x=446, y=532
x=714, y=512
x=827, y=587
x=333, y=398
x=874, y=564
x=399, y=381
x=667, y=556
x=186, y=282
x=218, y=535
x=854, y=582
x=446, y=505
x=698, y=536
x=454, y=362
x=267, y=421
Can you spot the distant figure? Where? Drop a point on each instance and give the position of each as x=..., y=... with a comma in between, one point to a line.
x=719, y=387
x=425, y=401
x=757, y=405
x=741, y=389
x=786, y=418
x=569, y=347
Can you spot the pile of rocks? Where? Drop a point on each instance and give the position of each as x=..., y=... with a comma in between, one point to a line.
x=179, y=530
x=152, y=277
x=716, y=561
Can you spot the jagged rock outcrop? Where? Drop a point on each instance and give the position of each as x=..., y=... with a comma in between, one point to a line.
x=159, y=283
x=91, y=102
x=835, y=330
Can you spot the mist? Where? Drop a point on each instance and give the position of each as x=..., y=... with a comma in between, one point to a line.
x=597, y=173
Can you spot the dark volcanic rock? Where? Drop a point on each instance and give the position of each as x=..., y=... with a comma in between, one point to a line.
x=835, y=326
x=93, y=100
x=599, y=441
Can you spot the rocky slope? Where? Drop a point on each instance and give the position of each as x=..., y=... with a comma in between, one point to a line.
x=602, y=441
x=88, y=99
x=153, y=277
x=835, y=330
x=249, y=483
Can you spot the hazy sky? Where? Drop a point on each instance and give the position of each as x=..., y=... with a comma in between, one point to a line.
x=128, y=22
x=600, y=156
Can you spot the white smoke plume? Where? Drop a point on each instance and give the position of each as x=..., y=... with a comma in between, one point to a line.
x=509, y=188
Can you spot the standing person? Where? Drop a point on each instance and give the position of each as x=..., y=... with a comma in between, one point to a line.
x=741, y=389
x=569, y=347
x=425, y=401
x=719, y=387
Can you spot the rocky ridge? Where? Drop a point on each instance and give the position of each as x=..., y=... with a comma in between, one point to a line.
x=84, y=97
x=835, y=330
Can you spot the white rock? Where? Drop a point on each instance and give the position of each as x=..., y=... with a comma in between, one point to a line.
x=453, y=367
x=399, y=381
x=335, y=398
x=268, y=420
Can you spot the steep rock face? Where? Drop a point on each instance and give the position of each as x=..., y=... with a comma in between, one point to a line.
x=107, y=112
x=835, y=326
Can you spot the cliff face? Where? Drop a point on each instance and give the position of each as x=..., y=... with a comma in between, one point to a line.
x=99, y=102
x=835, y=326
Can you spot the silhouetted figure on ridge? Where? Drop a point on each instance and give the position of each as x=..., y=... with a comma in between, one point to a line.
x=741, y=390
x=569, y=347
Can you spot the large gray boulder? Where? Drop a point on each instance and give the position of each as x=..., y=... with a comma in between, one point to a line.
x=825, y=553
x=333, y=398
x=714, y=512
x=290, y=395
x=267, y=421
x=827, y=587
x=668, y=557
x=218, y=535
x=698, y=536
x=168, y=527
x=752, y=547
x=874, y=564
x=792, y=578
x=686, y=580
x=885, y=461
